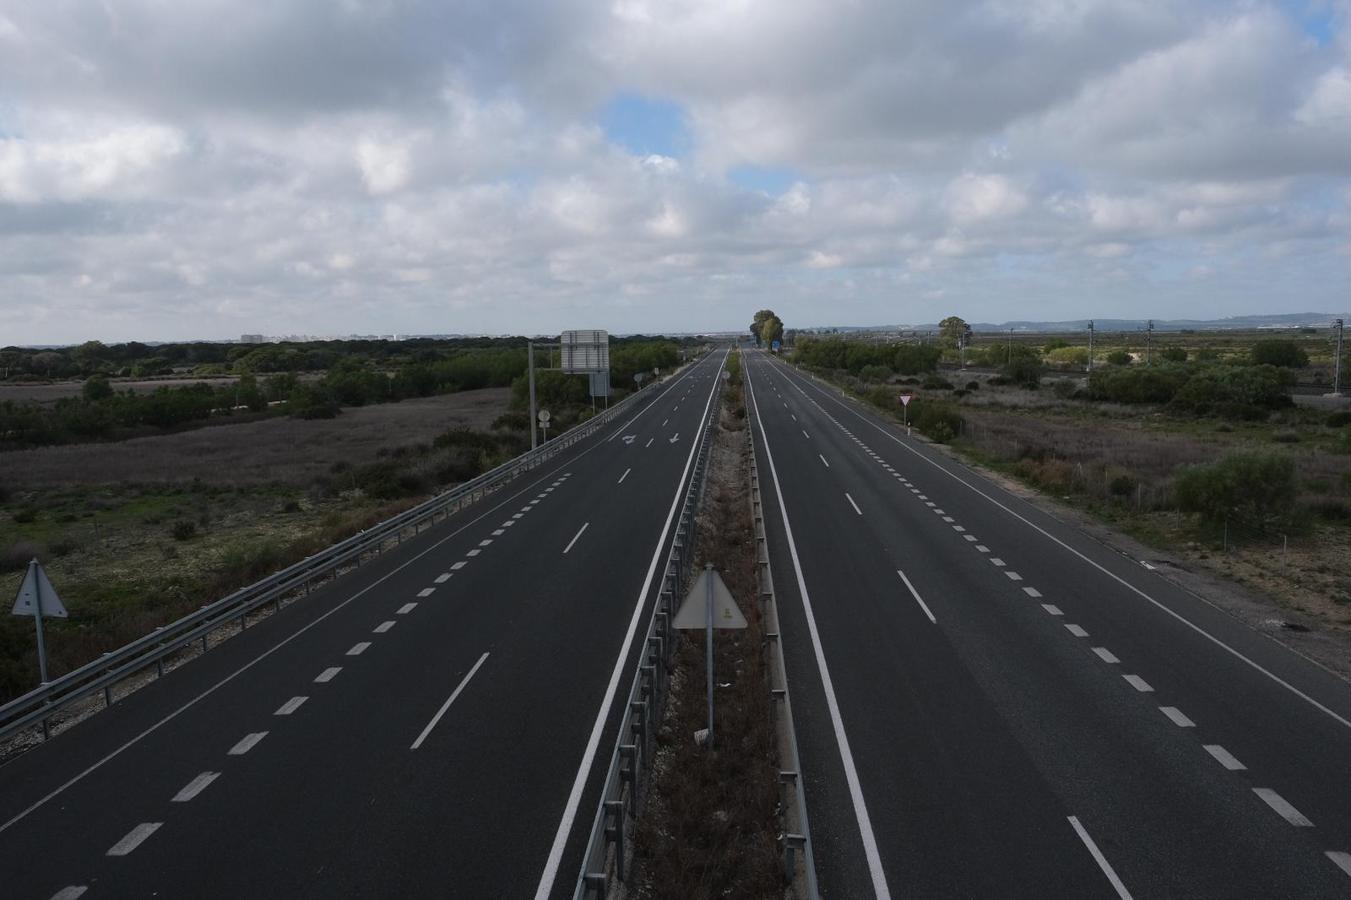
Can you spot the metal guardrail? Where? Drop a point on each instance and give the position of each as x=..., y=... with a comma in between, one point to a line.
x=795, y=841
x=634, y=745
x=103, y=674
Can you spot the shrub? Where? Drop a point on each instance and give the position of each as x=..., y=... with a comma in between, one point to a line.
x=1065, y=389
x=1024, y=369
x=96, y=388
x=1119, y=358
x=1173, y=354
x=936, y=421
x=1336, y=420
x=184, y=530
x=1156, y=384
x=1122, y=485
x=1286, y=354
x=937, y=383
x=973, y=385
x=26, y=515
x=1070, y=357
x=1243, y=392
x=17, y=555
x=875, y=373
x=1258, y=488
x=1286, y=437
x=64, y=545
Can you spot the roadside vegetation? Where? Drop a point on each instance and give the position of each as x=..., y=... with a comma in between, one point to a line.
x=1205, y=449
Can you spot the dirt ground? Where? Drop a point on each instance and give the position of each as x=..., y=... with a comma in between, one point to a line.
x=273, y=450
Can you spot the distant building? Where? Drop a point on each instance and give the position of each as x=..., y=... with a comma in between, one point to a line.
x=252, y=339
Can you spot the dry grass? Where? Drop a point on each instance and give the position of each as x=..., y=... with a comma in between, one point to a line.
x=53, y=391
x=710, y=826
x=270, y=451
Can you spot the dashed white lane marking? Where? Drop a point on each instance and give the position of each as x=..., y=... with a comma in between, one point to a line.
x=1106, y=655
x=663, y=422
x=406, y=608
x=1031, y=592
x=290, y=706
x=970, y=537
x=1076, y=631
x=1341, y=858
x=1147, y=566
x=472, y=553
x=443, y=578
x=498, y=532
x=930, y=503
x=327, y=675
x=70, y=892
x=852, y=503
x=823, y=459
x=1013, y=576
x=426, y=592
x=514, y=517
x=918, y=599
x=584, y=527
x=1138, y=683
x=134, y=838
x=1179, y=719
x=248, y=742
x=1052, y=609
x=524, y=509
x=485, y=542
x=649, y=443
x=445, y=706
x=358, y=648
x=625, y=475
x=195, y=787
x=794, y=417
x=982, y=548
x=940, y=512
x=1225, y=758
x=996, y=561
x=384, y=626
x=1283, y=807
x=947, y=519
x=459, y=565
x=806, y=435
x=959, y=529
x=533, y=502
x=1101, y=860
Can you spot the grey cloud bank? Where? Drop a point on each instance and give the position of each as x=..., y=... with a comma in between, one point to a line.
x=203, y=169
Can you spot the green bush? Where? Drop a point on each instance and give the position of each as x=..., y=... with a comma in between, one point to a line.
x=96, y=388
x=1235, y=392
x=1023, y=367
x=1287, y=354
x=1336, y=420
x=936, y=421
x=1256, y=488
x=1155, y=384
x=1119, y=358
x=937, y=383
x=184, y=530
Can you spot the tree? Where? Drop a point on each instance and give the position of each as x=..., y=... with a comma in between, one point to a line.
x=952, y=329
x=771, y=330
x=1287, y=354
x=96, y=388
x=761, y=317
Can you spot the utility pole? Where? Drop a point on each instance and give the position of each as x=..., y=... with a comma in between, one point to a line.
x=1149, y=343
x=1010, y=346
x=530, y=367
x=1090, y=345
x=1337, y=360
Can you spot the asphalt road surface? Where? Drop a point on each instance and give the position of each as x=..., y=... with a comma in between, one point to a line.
x=435, y=724
x=989, y=703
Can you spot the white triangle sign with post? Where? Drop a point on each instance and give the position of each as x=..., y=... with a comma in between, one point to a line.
x=36, y=588
x=693, y=613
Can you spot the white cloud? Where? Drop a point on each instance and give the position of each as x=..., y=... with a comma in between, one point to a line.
x=384, y=165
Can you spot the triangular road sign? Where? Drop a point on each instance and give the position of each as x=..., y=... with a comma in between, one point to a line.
x=33, y=583
x=693, y=613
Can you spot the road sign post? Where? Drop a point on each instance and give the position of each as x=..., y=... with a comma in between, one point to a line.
x=905, y=406
x=720, y=611
x=544, y=423
x=37, y=598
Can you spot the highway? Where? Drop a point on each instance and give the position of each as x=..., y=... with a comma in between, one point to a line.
x=433, y=724
x=989, y=703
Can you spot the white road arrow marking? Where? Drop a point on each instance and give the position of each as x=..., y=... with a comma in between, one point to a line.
x=675, y=438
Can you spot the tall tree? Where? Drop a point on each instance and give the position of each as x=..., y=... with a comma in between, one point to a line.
x=952, y=329
x=761, y=317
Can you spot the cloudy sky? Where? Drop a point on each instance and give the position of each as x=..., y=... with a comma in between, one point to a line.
x=204, y=168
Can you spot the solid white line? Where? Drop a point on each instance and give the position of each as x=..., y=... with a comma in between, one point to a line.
x=1101, y=860
x=1138, y=683
x=406, y=608
x=1341, y=858
x=443, y=578
x=195, y=787
x=134, y=838
x=584, y=527
x=426, y=592
x=550, y=873
x=1031, y=592
x=1105, y=571
x=76, y=890
x=247, y=743
x=852, y=503
x=445, y=706
x=1225, y=758
x=290, y=706
x=1052, y=609
x=823, y=459
x=914, y=593
x=625, y=475
x=1283, y=807
x=879, y=878
x=327, y=675
x=1076, y=631
x=358, y=648
x=1179, y=719
x=1106, y=655
x=384, y=626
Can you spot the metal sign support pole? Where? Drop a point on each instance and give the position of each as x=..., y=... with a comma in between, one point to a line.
x=530, y=351
x=708, y=567
x=1337, y=361
x=37, y=620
